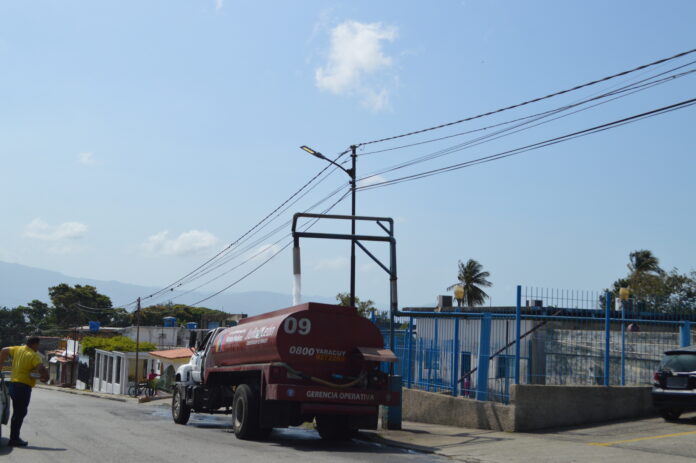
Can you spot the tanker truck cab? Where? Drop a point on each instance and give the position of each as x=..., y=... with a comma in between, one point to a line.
x=190, y=373
x=310, y=362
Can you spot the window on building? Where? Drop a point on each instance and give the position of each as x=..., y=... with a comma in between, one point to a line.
x=118, y=370
x=110, y=373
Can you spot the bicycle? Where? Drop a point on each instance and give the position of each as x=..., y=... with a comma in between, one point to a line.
x=140, y=389
x=4, y=402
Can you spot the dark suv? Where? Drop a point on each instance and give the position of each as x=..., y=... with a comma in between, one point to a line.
x=674, y=385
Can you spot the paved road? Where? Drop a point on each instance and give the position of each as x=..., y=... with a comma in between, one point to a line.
x=65, y=427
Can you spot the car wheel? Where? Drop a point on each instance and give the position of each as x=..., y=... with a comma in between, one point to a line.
x=245, y=413
x=670, y=414
x=180, y=411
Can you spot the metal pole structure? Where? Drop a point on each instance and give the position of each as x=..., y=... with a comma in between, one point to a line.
x=409, y=355
x=623, y=343
x=607, y=336
x=137, y=347
x=353, y=157
x=518, y=333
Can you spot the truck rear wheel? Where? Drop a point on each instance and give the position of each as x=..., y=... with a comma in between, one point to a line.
x=245, y=413
x=180, y=411
x=335, y=427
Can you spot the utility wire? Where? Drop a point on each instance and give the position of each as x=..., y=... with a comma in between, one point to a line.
x=622, y=92
x=259, y=252
x=227, y=248
x=542, y=144
x=535, y=100
x=597, y=95
x=269, y=259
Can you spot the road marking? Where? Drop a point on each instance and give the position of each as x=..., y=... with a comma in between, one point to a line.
x=676, y=434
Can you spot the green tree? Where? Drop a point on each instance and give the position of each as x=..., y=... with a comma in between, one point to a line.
x=69, y=305
x=650, y=287
x=37, y=316
x=13, y=327
x=116, y=343
x=643, y=261
x=472, y=278
x=153, y=315
x=365, y=308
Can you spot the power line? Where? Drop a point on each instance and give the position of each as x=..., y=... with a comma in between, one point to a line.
x=535, y=100
x=619, y=93
x=596, y=96
x=227, y=248
x=542, y=144
x=251, y=272
x=260, y=252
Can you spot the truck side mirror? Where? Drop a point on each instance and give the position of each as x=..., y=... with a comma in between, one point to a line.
x=192, y=339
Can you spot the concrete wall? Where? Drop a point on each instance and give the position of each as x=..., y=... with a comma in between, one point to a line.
x=538, y=407
x=532, y=407
x=429, y=407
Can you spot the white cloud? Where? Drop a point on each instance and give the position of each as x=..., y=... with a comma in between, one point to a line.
x=40, y=230
x=371, y=180
x=337, y=263
x=87, y=159
x=356, y=63
x=219, y=4
x=264, y=252
x=190, y=242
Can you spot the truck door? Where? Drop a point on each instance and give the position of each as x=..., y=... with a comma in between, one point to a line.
x=197, y=360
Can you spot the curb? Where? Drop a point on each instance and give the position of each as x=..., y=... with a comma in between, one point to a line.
x=375, y=436
x=82, y=393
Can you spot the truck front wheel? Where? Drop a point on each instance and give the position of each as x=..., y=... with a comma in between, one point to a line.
x=245, y=413
x=180, y=411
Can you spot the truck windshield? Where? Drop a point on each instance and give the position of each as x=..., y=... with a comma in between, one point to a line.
x=679, y=363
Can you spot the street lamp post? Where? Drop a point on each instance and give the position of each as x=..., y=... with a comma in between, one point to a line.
x=351, y=174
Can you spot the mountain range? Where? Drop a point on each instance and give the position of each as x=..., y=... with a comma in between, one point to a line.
x=20, y=284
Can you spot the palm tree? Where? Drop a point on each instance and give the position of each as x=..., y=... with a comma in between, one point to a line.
x=472, y=278
x=643, y=261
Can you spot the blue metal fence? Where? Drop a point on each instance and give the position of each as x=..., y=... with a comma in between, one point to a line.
x=548, y=337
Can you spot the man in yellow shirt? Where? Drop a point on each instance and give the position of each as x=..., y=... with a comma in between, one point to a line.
x=25, y=360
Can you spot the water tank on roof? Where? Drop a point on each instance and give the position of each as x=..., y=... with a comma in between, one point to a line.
x=169, y=322
x=94, y=327
x=192, y=325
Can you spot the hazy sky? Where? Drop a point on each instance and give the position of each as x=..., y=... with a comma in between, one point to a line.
x=139, y=138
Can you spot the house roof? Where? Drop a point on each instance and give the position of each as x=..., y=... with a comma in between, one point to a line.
x=172, y=353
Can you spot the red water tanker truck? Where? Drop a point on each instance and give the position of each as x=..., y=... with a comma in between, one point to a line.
x=283, y=368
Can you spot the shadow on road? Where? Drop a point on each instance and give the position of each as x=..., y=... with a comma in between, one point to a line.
x=5, y=450
x=308, y=440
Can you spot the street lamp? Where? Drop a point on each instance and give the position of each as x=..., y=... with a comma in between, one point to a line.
x=459, y=296
x=351, y=174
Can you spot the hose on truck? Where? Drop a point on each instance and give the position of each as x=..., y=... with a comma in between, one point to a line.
x=322, y=381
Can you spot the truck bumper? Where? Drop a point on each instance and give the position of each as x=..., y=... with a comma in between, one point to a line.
x=324, y=395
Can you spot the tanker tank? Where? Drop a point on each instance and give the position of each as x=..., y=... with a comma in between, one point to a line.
x=311, y=337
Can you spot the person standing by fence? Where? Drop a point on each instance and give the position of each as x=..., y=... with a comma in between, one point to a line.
x=25, y=360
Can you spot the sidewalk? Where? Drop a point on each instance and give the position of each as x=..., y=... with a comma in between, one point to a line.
x=163, y=397
x=482, y=446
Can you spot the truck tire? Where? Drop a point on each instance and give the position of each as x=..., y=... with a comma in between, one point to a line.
x=245, y=413
x=335, y=427
x=670, y=414
x=180, y=411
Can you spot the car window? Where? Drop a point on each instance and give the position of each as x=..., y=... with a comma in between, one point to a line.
x=679, y=362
